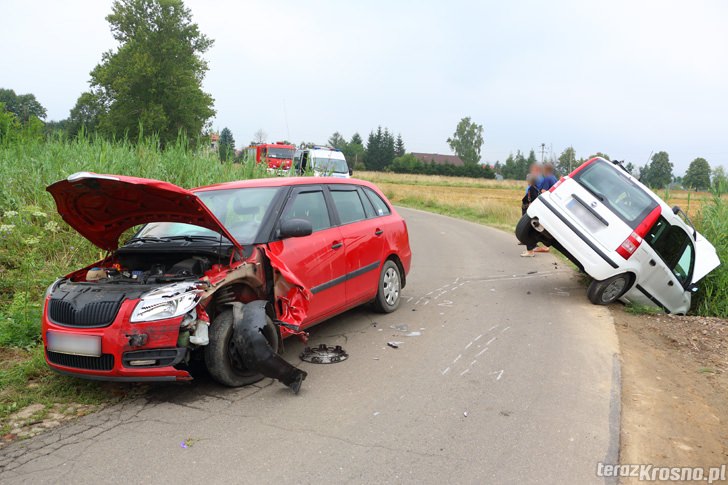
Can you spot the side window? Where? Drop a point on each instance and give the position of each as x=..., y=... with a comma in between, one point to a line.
x=310, y=206
x=368, y=207
x=684, y=264
x=380, y=207
x=348, y=205
x=673, y=245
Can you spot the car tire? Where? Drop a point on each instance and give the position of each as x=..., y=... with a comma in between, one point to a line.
x=389, y=289
x=524, y=230
x=609, y=290
x=222, y=364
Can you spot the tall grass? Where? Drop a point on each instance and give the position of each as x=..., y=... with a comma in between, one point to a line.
x=712, y=222
x=36, y=246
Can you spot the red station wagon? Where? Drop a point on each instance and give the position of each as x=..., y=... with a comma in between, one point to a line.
x=222, y=273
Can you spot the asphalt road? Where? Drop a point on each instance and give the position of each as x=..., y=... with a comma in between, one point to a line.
x=514, y=379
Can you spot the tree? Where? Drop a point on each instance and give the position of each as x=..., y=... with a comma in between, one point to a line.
x=356, y=140
x=23, y=105
x=337, y=141
x=86, y=114
x=226, y=145
x=380, y=149
x=698, y=175
x=601, y=155
x=354, y=151
x=516, y=167
x=153, y=81
x=399, y=149
x=467, y=141
x=566, y=161
x=657, y=173
x=629, y=167
x=259, y=136
x=720, y=180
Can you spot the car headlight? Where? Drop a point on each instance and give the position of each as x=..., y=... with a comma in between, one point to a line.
x=166, y=302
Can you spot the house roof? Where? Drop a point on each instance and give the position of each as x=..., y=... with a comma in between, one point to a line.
x=439, y=159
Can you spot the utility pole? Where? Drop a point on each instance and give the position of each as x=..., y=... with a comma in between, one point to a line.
x=543, y=149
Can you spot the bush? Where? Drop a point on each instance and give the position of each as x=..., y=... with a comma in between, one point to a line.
x=410, y=164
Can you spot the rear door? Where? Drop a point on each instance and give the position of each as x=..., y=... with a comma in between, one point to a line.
x=317, y=260
x=363, y=240
x=668, y=257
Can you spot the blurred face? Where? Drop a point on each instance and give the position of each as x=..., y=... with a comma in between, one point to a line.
x=535, y=170
x=548, y=170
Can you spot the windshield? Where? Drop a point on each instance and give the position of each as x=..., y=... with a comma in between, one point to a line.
x=280, y=152
x=329, y=165
x=613, y=189
x=241, y=211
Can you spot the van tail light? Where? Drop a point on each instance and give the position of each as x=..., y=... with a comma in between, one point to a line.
x=630, y=245
x=561, y=180
x=633, y=241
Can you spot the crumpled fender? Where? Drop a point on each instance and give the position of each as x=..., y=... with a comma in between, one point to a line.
x=253, y=348
x=293, y=297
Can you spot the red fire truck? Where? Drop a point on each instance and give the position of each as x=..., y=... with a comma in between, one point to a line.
x=278, y=156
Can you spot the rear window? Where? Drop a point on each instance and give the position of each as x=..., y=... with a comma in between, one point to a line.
x=620, y=194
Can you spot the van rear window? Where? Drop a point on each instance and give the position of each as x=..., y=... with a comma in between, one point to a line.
x=620, y=194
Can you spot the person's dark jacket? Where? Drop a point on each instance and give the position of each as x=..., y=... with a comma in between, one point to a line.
x=531, y=195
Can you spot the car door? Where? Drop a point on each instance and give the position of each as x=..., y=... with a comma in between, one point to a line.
x=667, y=266
x=363, y=242
x=318, y=259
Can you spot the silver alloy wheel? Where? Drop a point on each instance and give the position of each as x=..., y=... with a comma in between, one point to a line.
x=613, y=290
x=390, y=286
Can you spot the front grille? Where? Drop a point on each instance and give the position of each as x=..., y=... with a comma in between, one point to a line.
x=94, y=314
x=105, y=362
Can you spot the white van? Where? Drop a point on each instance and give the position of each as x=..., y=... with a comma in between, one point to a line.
x=323, y=162
x=634, y=246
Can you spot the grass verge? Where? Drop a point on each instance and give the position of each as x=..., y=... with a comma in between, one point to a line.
x=36, y=247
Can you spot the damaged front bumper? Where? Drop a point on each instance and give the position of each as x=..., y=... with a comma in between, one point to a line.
x=129, y=352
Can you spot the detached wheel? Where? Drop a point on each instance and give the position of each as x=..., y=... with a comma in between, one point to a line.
x=221, y=359
x=609, y=290
x=390, y=287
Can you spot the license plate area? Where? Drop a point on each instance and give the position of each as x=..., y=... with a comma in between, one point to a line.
x=66, y=343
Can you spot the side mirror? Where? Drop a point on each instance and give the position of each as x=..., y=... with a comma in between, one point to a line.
x=351, y=171
x=693, y=288
x=295, y=228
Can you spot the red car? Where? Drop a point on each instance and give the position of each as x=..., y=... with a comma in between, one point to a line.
x=222, y=273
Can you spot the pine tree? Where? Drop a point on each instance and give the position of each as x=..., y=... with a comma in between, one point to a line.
x=399, y=149
x=226, y=145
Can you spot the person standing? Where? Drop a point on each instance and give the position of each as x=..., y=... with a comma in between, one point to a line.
x=532, y=194
x=549, y=179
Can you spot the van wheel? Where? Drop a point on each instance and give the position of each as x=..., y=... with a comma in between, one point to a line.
x=390, y=287
x=223, y=362
x=524, y=229
x=609, y=290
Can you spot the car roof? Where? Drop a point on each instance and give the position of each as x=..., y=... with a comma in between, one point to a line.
x=284, y=182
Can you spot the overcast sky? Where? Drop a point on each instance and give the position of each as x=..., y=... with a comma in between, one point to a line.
x=626, y=77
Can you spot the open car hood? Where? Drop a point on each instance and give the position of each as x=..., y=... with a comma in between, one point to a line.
x=102, y=207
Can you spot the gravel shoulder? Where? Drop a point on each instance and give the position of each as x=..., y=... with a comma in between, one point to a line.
x=674, y=387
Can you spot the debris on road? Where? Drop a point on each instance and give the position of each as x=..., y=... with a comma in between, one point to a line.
x=394, y=345
x=323, y=354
